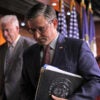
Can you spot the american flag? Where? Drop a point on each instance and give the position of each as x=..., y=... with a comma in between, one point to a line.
x=62, y=25
x=92, y=39
x=73, y=29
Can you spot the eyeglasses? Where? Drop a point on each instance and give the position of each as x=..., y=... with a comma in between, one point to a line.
x=40, y=29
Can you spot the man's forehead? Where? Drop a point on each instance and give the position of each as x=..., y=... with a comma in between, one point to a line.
x=37, y=21
x=38, y=18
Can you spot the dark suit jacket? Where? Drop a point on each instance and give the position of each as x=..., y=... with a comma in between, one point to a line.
x=70, y=55
x=12, y=76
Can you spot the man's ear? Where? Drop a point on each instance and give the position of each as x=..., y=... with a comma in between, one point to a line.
x=55, y=22
x=17, y=27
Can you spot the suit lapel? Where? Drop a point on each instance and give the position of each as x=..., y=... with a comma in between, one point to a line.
x=59, y=55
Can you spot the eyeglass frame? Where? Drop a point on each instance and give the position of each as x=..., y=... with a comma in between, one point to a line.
x=40, y=29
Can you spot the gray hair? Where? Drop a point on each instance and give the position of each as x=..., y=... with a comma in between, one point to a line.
x=41, y=9
x=10, y=19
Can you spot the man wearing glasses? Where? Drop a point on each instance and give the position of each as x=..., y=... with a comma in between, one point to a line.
x=71, y=55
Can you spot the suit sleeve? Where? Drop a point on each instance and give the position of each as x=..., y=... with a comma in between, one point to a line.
x=89, y=69
x=27, y=89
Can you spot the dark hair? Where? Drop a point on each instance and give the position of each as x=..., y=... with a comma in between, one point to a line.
x=41, y=9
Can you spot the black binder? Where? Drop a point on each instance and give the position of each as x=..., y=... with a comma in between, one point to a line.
x=57, y=82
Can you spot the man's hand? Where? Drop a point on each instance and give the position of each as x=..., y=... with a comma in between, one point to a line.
x=57, y=98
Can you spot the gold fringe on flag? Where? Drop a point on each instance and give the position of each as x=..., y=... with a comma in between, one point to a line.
x=89, y=11
x=72, y=4
x=82, y=5
x=87, y=38
x=60, y=5
x=90, y=7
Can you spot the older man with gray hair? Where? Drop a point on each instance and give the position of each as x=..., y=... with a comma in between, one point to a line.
x=11, y=58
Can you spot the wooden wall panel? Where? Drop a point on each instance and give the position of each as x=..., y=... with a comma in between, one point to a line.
x=97, y=28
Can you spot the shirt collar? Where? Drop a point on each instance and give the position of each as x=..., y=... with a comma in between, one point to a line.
x=53, y=43
x=15, y=42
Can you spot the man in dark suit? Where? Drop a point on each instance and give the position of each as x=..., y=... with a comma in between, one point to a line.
x=11, y=62
x=68, y=54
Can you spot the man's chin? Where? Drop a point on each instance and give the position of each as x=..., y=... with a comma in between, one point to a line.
x=42, y=42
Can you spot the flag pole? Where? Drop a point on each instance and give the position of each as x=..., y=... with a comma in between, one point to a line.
x=60, y=5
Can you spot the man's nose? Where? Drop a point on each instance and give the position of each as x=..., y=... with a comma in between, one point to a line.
x=37, y=34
